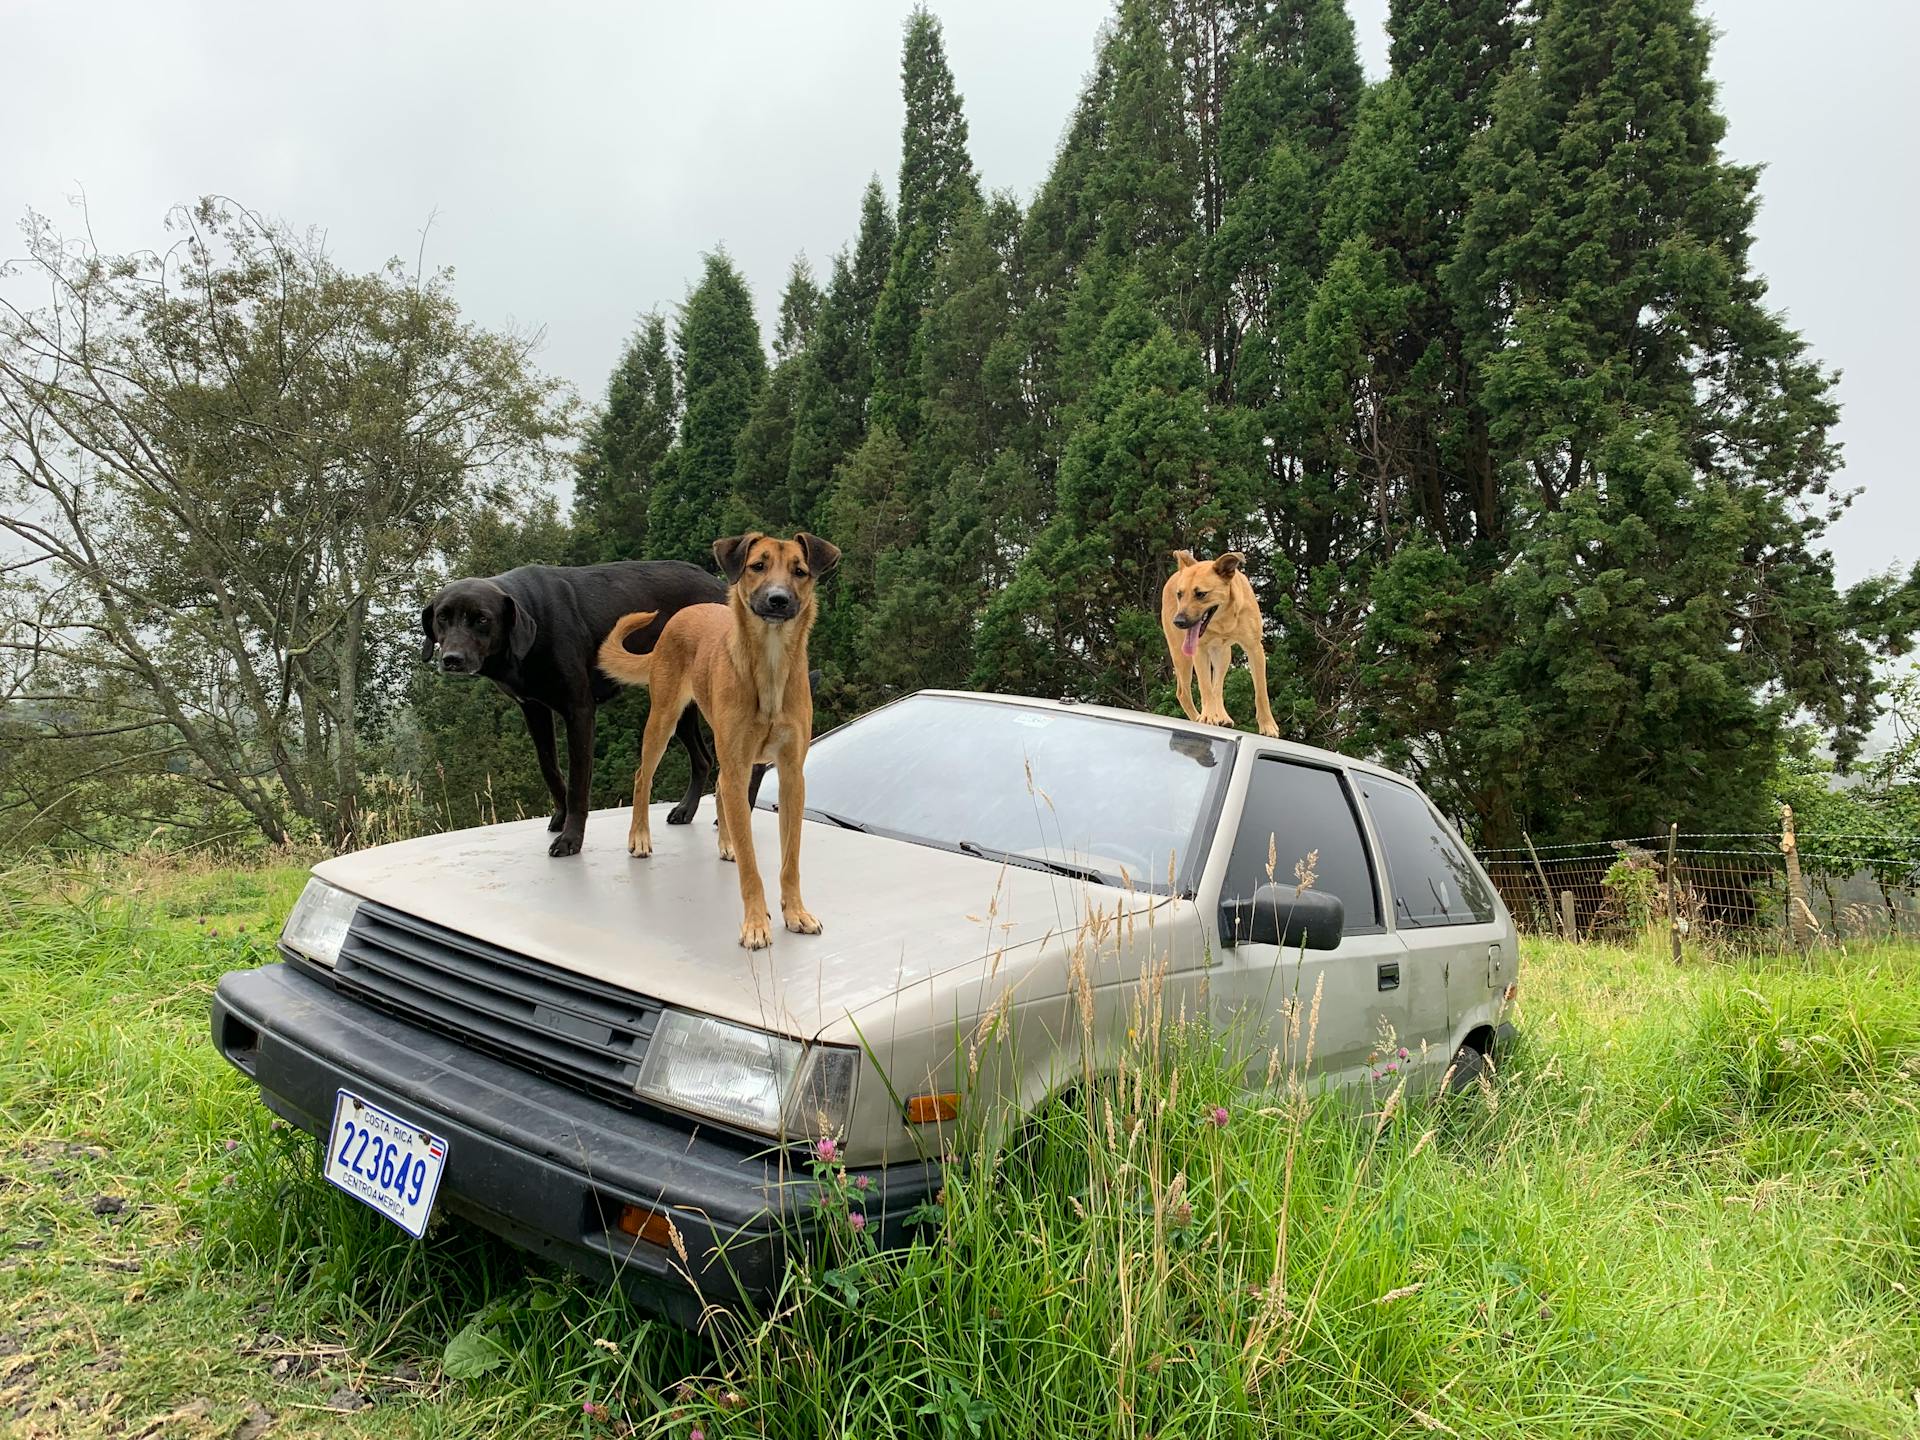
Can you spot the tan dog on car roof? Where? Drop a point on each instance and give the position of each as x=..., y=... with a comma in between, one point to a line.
x=745, y=665
x=1206, y=608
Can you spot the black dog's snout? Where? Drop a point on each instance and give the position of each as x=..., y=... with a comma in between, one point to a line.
x=453, y=664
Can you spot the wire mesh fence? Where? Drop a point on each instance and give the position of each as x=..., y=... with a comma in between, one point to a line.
x=1744, y=887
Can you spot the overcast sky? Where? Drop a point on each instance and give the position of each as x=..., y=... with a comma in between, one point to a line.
x=580, y=157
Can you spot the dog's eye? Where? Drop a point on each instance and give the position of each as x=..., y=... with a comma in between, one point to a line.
x=481, y=622
x=758, y=566
x=1179, y=594
x=1199, y=594
x=799, y=574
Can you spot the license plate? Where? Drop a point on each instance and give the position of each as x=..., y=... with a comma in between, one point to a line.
x=392, y=1164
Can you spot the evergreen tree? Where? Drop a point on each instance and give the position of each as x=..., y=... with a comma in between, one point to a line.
x=1381, y=369
x=622, y=449
x=1285, y=128
x=1149, y=471
x=799, y=309
x=762, y=482
x=970, y=499
x=868, y=515
x=1057, y=234
x=722, y=368
x=936, y=184
x=836, y=370
x=1145, y=185
x=1665, y=603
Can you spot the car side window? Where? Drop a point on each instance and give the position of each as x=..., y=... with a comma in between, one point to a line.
x=1434, y=880
x=1292, y=812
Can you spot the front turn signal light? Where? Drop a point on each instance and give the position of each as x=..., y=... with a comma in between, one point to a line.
x=648, y=1225
x=926, y=1109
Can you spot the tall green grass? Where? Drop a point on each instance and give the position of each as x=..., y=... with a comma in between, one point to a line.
x=1687, y=1206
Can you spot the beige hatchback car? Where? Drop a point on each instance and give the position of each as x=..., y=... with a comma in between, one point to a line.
x=574, y=1052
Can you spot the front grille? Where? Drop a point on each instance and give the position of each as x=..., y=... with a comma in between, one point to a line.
x=576, y=1030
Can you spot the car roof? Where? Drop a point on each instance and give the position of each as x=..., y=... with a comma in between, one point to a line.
x=1291, y=748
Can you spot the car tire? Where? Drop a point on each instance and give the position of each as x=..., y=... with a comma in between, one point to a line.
x=1468, y=1069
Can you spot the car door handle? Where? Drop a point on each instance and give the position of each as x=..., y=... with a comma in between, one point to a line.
x=1389, y=974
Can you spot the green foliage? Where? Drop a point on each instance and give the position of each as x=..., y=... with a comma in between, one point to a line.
x=722, y=369
x=623, y=449
x=1669, y=439
x=936, y=184
x=835, y=371
x=1151, y=470
x=227, y=473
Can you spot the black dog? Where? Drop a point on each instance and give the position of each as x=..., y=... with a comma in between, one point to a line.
x=535, y=633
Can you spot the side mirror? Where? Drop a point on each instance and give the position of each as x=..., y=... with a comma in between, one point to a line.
x=1277, y=915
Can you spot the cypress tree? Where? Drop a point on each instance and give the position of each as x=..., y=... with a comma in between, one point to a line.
x=1145, y=185
x=800, y=306
x=1056, y=236
x=762, y=482
x=1665, y=605
x=1285, y=127
x=1150, y=470
x=936, y=184
x=622, y=449
x=722, y=368
x=1381, y=368
x=970, y=500
x=836, y=370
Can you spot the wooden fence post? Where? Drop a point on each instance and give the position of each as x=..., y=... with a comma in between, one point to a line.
x=1567, y=920
x=1798, y=914
x=1673, y=889
x=1546, y=890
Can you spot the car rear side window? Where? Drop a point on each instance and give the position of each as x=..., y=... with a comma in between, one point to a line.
x=1434, y=881
x=1294, y=812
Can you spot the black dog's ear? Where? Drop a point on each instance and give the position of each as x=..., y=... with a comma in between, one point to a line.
x=426, y=624
x=1184, y=558
x=521, y=629
x=1229, y=563
x=822, y=555
x=731, y=554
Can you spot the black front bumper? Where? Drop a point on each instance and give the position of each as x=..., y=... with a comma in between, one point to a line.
x=543, y=1165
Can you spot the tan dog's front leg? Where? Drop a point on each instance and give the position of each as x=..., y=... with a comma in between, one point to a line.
x=756, y=926
x=1213, y=679
x=793, y=806
x=1183, y=678
x=1257, y=663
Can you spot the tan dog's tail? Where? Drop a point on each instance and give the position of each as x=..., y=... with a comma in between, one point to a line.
x=618, y=661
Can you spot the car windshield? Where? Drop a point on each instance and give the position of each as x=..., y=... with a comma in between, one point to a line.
x=1077, y=794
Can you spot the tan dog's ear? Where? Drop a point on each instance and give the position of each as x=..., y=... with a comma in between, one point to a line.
x=822, y=555
x=1184, y=559
x=731, y=554
x=1229, y=564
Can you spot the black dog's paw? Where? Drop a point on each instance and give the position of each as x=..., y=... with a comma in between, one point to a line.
x=557, y=823
x=683, y=813
x=567, y=842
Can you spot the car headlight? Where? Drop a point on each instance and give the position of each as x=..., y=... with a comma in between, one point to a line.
x=750, y=1078
x=317, y=928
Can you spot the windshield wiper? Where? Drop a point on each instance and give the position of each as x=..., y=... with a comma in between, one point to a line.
x=832, y=819
x=1036, y=862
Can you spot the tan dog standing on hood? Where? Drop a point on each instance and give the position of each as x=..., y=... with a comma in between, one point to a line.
x=1206, y=608
x=745, y=665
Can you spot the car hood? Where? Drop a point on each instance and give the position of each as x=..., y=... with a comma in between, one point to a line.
x=893, y=913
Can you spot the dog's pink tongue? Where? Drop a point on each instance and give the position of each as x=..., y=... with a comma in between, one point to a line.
x=1192, y=642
